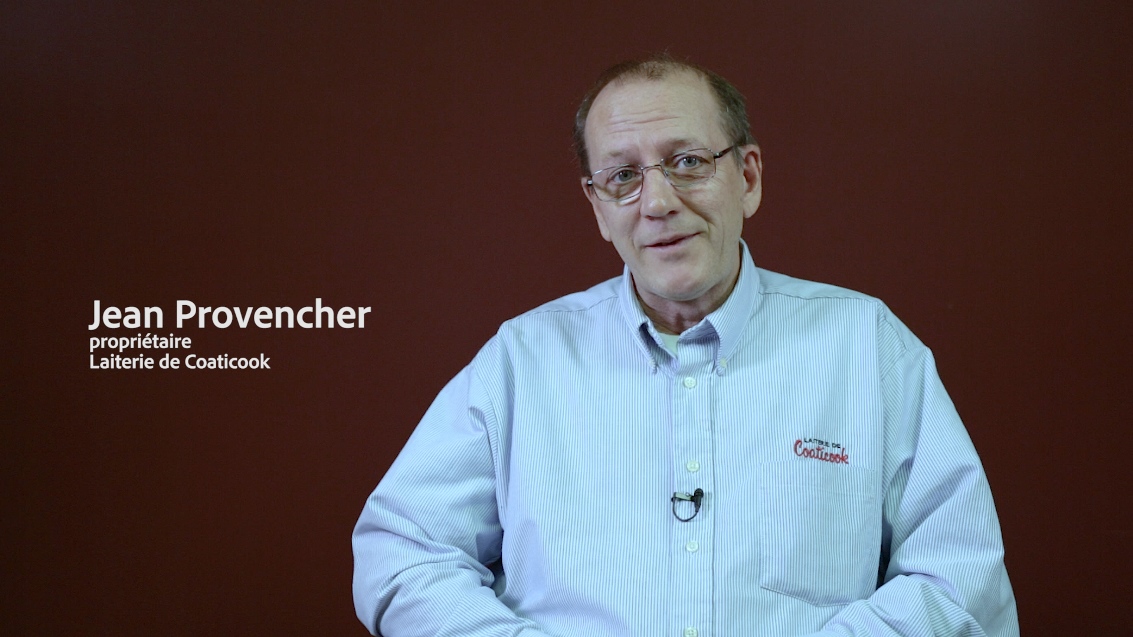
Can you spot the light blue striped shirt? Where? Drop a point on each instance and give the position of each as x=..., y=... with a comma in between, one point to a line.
x=842, y=495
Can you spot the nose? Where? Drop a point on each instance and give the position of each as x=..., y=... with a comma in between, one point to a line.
x=657, y=195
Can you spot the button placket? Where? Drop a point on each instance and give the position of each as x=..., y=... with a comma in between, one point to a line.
x=691, y=591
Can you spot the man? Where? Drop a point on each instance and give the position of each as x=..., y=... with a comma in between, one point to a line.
x=698, y=447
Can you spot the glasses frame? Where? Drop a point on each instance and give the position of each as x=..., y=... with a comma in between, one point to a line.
x=659, y=166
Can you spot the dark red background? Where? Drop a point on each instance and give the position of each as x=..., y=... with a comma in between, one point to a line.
x=968, y=162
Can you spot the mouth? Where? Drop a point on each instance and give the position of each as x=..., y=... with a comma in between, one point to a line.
x=671, y=242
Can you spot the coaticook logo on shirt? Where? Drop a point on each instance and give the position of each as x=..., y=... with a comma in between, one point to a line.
x=821, y=450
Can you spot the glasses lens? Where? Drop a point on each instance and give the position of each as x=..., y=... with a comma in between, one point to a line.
x=618, y=182
x=690, y=167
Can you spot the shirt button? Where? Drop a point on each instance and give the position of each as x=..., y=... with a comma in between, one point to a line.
x=692, y=466
x=691, y=632
x=692, y=547
x=689, y=382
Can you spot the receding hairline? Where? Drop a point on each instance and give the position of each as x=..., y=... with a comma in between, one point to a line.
x=682, y=143
x=730, y=103
x=630, y=78
x=655, y=70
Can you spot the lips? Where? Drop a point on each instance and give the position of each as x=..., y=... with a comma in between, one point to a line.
x=670, y=241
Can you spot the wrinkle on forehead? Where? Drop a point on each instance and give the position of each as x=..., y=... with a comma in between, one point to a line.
x=662, y=121
x=665, y=148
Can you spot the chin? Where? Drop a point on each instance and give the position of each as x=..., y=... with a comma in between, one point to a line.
x=675, y=284
x=682, y=291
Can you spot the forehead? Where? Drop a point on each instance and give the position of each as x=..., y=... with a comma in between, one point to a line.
x=643, y=119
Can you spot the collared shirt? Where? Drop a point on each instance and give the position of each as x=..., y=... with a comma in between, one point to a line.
x=841, y=493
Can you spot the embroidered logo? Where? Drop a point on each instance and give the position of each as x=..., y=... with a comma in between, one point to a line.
x=822, y=450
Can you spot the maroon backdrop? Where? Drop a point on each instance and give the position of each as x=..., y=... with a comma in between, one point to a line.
x=968, y=162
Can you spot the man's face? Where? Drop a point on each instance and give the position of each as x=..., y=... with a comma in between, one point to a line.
x=681, y=245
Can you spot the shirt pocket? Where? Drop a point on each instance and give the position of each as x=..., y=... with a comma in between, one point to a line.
x=820, y=531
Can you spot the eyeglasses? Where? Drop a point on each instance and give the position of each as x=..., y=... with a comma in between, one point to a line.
x=688, y=167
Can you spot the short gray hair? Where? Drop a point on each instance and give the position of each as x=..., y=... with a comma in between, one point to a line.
x=733, y=110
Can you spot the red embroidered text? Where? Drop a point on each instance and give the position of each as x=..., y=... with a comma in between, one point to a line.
x=818, y=452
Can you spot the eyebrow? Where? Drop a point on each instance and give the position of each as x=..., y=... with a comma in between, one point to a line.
x=671, y=147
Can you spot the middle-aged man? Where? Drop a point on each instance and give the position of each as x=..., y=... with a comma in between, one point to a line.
x=696, y=448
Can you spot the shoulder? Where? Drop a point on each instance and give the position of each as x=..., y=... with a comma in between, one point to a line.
x=780, y=285
x=817, y=303
x=584, y=301
x=594, y=304
x=559, y=324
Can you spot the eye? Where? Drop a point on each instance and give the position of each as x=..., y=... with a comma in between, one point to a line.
x=688, y=162
x=623, y=175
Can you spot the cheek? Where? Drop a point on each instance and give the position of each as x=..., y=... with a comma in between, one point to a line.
x=729, y=217
x=620, y=227
x=606, y=223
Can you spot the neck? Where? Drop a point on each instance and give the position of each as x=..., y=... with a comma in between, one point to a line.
x=674, y=317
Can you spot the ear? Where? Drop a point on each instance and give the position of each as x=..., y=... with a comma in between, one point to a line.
x=753, y=178
x=597, y=205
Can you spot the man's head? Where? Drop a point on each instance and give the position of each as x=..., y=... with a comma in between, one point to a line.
x=680, y=242
x=733, y=110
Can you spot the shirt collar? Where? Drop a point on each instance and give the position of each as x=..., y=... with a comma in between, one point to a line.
x=727, y=321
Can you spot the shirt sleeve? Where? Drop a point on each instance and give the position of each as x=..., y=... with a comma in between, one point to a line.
x=430, y=526
x=942, y=570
